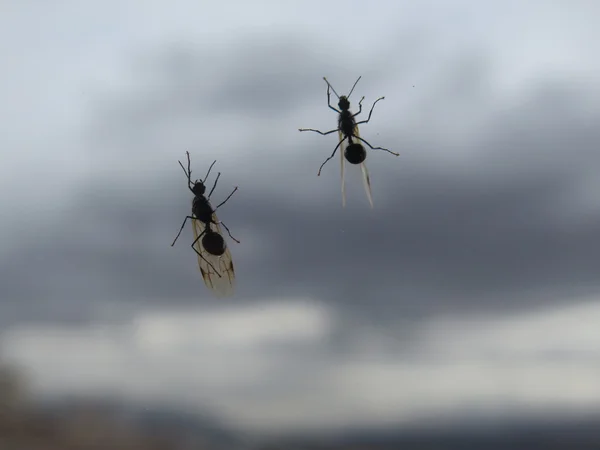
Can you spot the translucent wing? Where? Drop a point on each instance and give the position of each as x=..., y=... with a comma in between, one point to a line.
x=365, y=174
x=223, y=285
x=342, y=160
x=227, y=280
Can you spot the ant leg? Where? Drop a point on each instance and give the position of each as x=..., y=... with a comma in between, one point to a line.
x=370, y=112
x=317, y=131
x=202, y=256
x=359, y=107
x=329, y=99
x=214, y=185
x=229, y=232
x=377, y=148
x=224, y=201
x=332, y=155
x=181, y=229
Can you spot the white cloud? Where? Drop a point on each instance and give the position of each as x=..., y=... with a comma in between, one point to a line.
x=571, y=330
x=162, y=354
x=266, y=366
x=242, y=327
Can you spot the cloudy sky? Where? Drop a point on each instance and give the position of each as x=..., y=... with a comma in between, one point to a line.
x=470, y=290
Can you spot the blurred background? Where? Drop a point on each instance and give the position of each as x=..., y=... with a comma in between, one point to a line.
x=462, y=312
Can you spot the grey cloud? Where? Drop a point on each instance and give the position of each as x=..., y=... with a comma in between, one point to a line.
x=499, y=231
x=262, y=77
x=437, y=240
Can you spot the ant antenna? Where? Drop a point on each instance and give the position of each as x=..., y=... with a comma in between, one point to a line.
x=184, y=171
x=211, y=166
x=355, y=83
x=188, y=172
x=331, y=87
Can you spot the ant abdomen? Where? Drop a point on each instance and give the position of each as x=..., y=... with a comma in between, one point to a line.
x=355, y=153
x=213, y=243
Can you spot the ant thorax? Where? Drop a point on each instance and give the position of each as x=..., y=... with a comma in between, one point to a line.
x=202, y=209
x=346, y=123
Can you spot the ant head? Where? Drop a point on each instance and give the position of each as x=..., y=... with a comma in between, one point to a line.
x=344, y=103
x=199, y=189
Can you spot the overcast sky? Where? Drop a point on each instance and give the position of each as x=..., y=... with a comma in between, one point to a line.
x=470, y=290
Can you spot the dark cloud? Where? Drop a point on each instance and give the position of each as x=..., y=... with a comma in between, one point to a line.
x=498, y=231
x=501, y=233
x=259, y=78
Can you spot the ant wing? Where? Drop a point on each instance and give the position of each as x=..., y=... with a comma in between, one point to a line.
x=365, y=174
x=342, y=162
x=226, y=284
x=220, y=283
x=367, y=182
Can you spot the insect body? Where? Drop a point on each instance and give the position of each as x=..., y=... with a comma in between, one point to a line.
x=350, y=140
x=214, y=257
